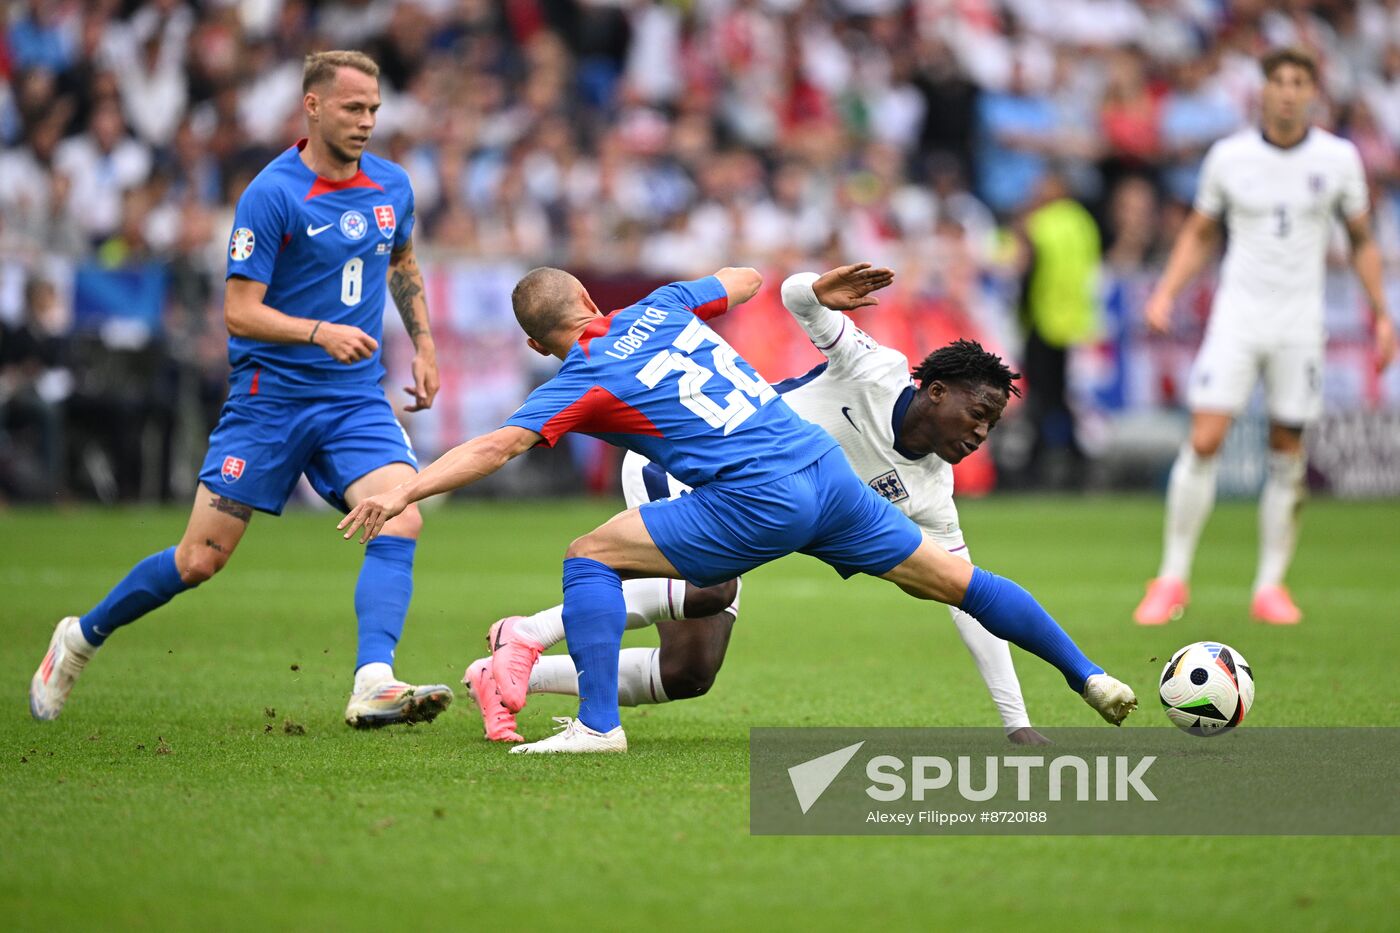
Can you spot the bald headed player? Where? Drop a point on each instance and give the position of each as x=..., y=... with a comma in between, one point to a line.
x=1277, y=189
x=657, y=380
x=315, y=235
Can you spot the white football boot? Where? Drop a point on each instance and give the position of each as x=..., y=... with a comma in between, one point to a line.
x=68, y=654
x=1113, y=699
x=390, y=701
x=573, y=737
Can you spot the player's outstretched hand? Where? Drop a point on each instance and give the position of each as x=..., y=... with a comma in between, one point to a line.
x=371, y=514
x=1027, y=736
x=1158, y=312
x=425, y=382
x=848, y=287
x=1385, y=342
x=345, y=343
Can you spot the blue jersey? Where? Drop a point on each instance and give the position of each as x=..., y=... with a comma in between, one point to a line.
x=656, y=379
x=322, y=248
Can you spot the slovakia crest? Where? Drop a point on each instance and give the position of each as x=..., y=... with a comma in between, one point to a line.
x=233, y=469
x=353, y=225
x=384, y=216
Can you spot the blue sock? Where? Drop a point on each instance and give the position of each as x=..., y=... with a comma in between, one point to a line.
x=1008, y=611
x=594, y=617
x=150, y=585
x=382, y=595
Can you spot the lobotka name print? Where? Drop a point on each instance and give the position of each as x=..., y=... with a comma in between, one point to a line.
x=634, y=337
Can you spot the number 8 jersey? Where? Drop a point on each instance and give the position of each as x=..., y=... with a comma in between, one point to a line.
x=322, y=248
x=654, y=378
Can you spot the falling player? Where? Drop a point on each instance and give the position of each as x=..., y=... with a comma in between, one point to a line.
x=1276, y=190
x=654, y=378
x=900, y=438
x=314, y=236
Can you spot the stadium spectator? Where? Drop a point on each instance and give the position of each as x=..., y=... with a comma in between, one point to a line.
x=1058, y=310
x=33, y=384
x=623, y=136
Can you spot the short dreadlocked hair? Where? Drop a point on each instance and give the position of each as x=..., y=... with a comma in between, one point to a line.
x=965, y=362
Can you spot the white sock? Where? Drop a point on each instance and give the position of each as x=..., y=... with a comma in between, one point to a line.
x=375, y=672
x=1278, y=516
x=992, y=656
x=1190, y=498
x=638, y=676
x=648, y=601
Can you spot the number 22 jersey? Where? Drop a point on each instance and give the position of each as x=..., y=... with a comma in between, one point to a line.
x=654, y=378
x=322, y=248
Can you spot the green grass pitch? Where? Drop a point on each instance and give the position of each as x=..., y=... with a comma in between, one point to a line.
x=202, y=778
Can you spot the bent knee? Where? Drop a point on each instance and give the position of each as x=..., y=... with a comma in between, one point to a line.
x=701, y=603
x=407, y=524
x=198, y=562
x=581, y=547
x=687, y=680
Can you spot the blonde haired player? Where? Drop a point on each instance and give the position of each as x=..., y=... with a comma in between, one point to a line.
x=1276, y=190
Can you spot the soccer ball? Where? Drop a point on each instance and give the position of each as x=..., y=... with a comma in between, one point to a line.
x=1207, y=688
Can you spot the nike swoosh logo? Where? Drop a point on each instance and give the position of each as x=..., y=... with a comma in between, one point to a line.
x=313, y=231
x=846, y=412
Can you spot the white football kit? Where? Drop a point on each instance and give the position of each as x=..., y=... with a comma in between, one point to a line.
x=858, y=395
x=1267, y=320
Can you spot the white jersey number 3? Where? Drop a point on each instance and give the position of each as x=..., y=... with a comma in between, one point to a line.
x=737, y=406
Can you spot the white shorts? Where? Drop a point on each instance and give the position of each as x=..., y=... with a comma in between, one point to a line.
x=644, y=481
x=1227, y=368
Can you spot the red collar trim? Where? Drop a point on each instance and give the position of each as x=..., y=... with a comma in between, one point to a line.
x=596, y=328
x=326, y=186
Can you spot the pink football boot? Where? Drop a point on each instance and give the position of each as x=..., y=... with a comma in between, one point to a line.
x=512, y=659
x=1273, y=605
x=499, y=721
x=1166, y=600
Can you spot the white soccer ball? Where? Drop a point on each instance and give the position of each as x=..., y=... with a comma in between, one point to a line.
x=1207, y=688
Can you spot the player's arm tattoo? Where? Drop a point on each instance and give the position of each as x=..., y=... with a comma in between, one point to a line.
x=211, y=543
x=406, y=287
x=226, y=505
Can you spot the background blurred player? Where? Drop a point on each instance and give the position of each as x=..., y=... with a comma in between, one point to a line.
x=901, y=440
x=765, y=483
x=1276, y=190
x=314, y=237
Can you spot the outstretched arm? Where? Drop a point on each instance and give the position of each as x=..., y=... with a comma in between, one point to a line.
x=1366, y=260
x=816, y=301
x=740, y=283
x=460, y=466
x=406, y=287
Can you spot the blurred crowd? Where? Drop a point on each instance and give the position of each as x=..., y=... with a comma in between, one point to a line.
x=658, y=138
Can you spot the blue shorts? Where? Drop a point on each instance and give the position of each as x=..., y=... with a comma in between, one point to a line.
x=715, y=533
x=261, y=447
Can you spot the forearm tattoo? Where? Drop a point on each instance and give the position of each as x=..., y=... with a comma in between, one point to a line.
x=405, y=288
x=237, y=509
